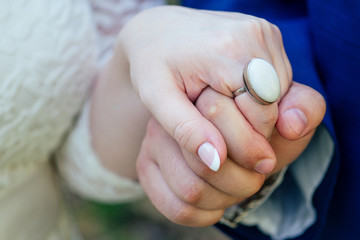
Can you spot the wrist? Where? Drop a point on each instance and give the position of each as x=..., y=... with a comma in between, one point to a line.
x=117, y=119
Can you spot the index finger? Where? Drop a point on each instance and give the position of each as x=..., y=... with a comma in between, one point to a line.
x=245, y=145
x=182, y=120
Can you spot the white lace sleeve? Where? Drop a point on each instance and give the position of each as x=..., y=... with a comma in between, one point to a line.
x=84, y=173
x=110, y=16
x=77, y=161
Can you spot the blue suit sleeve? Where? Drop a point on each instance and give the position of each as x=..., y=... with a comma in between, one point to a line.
x=296, y=198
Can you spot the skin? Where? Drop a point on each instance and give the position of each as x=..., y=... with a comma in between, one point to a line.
x=174, y=53
x=184, y=65
x=117, y=119
x=191, y=194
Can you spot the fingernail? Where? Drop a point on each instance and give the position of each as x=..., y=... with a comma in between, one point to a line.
x=209, y=155
x=265, y=166
x=297, y=120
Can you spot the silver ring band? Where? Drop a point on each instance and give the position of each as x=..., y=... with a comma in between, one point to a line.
x=239, y=91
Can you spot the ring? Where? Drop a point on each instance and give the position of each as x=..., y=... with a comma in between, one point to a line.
x=260, y=81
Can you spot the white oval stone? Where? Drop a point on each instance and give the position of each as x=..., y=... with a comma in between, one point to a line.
x=263, y=79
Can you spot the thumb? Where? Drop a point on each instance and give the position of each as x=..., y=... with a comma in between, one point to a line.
x=301, y=110
x=182, y=120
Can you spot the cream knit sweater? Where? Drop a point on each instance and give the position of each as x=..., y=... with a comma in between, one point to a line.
x=50, y=52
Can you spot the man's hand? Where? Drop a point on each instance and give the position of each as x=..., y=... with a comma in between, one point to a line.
x=182, y=187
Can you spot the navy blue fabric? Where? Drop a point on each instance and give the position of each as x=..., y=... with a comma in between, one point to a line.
x=322, y=40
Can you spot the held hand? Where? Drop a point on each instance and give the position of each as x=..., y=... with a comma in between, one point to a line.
x=187, y=192
x=182, y=195
x=174, y=53
x=301, y=110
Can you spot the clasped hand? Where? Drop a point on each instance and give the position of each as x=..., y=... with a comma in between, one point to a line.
x=185, y=64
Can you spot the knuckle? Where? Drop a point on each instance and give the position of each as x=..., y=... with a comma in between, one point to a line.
x=256, y=183
x=213, y=111
x=183, y=215
x=209, y=105
x=259, y=25
x=226, y=41
x=264, y=23
x=270, y=116
x=276, y=31
x=257, y=28
x=267, y=26
x=193, y=193
x=255, y=25
x=183, y=132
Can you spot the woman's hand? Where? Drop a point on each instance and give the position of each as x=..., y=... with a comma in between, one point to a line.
x=174, y=53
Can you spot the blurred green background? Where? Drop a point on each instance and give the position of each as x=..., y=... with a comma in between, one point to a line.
x=134, y=221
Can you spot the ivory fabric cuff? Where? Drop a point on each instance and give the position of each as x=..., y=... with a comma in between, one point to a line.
x=83, y=172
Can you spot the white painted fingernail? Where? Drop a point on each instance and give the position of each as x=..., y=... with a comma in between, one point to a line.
x=209, y=155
